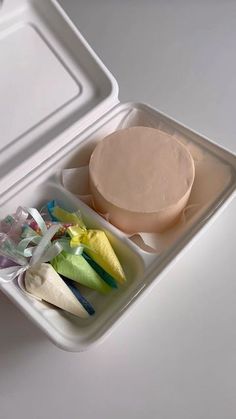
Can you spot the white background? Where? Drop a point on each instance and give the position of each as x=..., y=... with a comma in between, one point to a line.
x=174, y=357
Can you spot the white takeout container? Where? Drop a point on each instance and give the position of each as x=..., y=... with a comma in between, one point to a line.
x=57, y=100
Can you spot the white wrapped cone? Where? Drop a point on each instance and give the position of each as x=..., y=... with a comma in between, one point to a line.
x=44, y=282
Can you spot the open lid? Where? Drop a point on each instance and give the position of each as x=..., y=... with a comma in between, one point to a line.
x=52, y=85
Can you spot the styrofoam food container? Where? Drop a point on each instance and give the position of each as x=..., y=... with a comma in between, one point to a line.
x=57, y=100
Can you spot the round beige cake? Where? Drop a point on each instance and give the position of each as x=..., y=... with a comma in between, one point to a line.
x=142, y=178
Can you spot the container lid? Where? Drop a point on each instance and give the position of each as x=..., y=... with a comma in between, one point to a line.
x=52, y=85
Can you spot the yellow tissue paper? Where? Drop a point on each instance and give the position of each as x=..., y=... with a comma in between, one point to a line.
x=67, y=217
x=96, y=243
x=98, y=247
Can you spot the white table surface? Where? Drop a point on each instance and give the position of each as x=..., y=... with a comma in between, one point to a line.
x=174, y=357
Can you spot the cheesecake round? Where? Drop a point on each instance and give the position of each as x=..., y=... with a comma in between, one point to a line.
x=141, y=178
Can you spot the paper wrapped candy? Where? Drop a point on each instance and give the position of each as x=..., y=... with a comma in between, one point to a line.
x=59, y=214
x=51, y=259
x=88, y=307
x=99, y=249
x=103, y=274
x=44, y=282
x=69, y=263
x=41, y=280
x=75, y=267
x=95, y=242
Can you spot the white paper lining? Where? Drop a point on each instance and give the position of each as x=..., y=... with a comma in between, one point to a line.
x=210, y=179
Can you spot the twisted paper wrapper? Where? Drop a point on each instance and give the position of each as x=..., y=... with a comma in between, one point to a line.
x=17, y=258
x=94, y=242
x=75, y=267
x=98, y=268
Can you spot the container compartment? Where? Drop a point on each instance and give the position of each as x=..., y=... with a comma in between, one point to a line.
x=107, y=307
x=142, y=268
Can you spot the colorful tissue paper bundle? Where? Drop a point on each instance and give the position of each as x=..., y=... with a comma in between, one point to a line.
x=40, y=278
x=56, y=252
x=95, y=242
x=75, y=267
